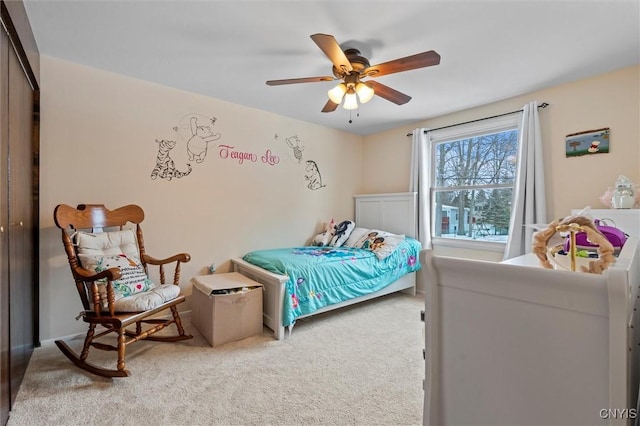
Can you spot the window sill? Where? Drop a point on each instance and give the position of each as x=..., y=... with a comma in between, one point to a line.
x=469, y=244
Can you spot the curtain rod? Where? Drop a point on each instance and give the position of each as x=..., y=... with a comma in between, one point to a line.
x=542, y=105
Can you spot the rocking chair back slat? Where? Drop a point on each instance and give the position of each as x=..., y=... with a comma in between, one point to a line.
x=91, y=216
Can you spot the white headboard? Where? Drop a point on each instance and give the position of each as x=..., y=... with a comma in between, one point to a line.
x=396, y=213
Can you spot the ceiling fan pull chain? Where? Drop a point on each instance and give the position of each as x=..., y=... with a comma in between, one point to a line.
x=357, y=114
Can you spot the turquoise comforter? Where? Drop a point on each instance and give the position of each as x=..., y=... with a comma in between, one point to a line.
x=321, y=276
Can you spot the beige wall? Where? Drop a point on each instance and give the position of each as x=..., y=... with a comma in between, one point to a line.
x=98, y=133
x=609, y=100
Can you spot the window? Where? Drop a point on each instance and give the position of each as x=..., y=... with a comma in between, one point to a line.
x=473, y=176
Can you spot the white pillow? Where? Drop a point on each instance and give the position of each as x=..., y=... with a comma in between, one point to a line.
x=356, y=234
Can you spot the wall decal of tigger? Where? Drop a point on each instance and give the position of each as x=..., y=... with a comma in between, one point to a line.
x=165, y=167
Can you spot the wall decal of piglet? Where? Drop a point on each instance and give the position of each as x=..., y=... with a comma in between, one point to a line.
x=294, y=144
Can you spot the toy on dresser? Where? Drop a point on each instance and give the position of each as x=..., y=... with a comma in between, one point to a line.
x=624, y=195
x=567, y=254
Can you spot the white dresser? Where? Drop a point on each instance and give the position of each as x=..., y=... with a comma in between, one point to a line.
x=514, y=343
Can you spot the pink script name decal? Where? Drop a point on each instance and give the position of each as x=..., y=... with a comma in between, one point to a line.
x=229, y=152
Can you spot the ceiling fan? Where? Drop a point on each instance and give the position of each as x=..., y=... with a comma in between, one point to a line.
x=352, y=68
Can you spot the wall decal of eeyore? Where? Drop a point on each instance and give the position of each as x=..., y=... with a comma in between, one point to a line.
x=312, y=176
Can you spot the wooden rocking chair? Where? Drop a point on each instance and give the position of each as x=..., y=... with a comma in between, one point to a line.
x=110, y=269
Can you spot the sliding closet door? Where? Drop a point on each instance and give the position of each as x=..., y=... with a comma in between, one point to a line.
x=5, y=387
x=18, y=199
x=21, y=335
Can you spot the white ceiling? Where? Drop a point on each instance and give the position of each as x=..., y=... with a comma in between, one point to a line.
x=490, y=50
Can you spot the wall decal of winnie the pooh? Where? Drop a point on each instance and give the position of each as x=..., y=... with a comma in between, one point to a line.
x=201, y=135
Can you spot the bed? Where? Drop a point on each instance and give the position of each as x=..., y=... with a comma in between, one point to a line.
x=343, y=279
x=514, y=343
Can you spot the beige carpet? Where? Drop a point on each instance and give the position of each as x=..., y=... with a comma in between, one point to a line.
x=361, y=365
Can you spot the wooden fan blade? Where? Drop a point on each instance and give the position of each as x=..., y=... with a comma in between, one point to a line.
x=388, y=93
x=299, y=80
x=420, y=60
x=331, y=48
x=330, y=106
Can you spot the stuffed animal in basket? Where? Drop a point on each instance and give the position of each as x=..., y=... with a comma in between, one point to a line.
x=572, y=225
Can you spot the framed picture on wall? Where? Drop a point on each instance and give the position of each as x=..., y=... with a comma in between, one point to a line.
x=587, y=142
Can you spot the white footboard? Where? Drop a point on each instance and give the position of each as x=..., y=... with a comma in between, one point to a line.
x=273, y=293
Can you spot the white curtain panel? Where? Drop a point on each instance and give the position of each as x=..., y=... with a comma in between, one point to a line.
x=420, y=182
x=529, y=205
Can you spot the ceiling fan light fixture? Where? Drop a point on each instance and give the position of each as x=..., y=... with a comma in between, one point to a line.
x=365, y=93
x=350, y=101
x=337, y=93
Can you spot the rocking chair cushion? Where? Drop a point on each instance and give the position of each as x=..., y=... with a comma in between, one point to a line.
x=134, y=291
x=147, y=300
x=104, y=250
x=107, y=243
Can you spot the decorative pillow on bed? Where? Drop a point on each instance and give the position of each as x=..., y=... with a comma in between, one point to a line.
x=388, y=245
x=380, y=242
x=342, y=232
x=355, y=236
x=134, y=279
x=367, y=238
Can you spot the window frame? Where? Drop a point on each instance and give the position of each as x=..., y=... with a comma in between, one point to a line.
x=491, y=125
